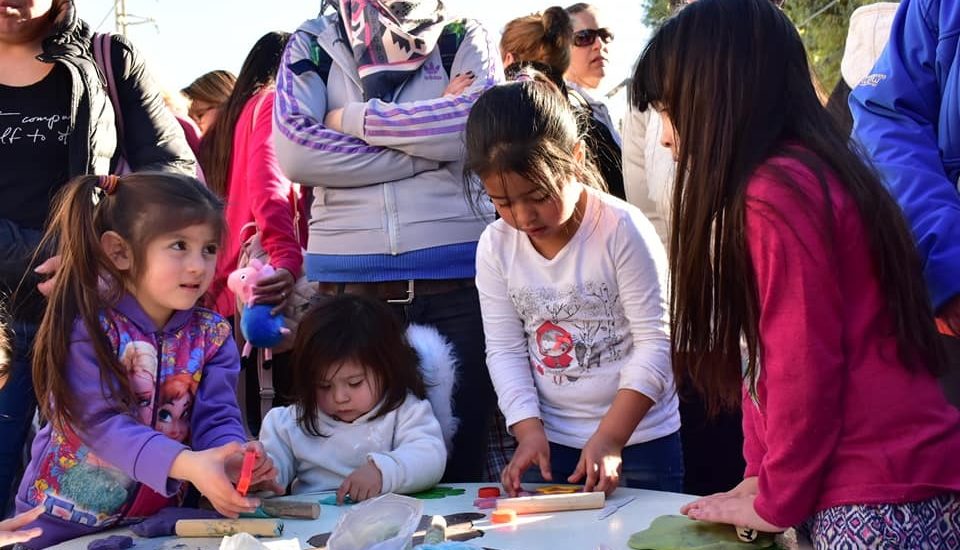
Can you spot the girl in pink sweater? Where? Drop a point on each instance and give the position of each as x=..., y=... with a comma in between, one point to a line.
x=240, y=165
x=784, y=240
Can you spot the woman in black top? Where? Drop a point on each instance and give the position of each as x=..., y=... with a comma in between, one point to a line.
x=57, y=122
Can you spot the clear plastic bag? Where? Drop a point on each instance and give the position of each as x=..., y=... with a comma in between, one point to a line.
x=383, y=523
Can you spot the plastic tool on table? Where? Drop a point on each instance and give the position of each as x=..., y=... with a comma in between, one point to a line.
x=437, y=532
x=611, y=509
x=246, y=472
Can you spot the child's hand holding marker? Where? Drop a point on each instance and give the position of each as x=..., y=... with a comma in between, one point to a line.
x=209, y=472
x=259, y=469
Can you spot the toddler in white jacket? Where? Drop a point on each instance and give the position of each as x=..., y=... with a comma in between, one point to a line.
x=360, y=423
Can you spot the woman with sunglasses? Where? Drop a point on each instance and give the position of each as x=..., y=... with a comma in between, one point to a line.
x=588, y=62
x=588, y=56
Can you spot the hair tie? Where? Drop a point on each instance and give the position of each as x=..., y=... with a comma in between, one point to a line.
x=523, y=76
x=109, y=183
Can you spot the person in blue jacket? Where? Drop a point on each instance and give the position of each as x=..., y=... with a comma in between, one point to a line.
x=907, y=118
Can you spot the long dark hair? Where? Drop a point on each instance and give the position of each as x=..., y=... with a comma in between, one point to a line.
x=733, y=77
x=349, y=327
x=259, y=71
x=528, y=128
x=144, y=206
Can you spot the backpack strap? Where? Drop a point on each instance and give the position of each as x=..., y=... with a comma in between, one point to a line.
x=265, y=378
x=102, y=56
x=449, y=42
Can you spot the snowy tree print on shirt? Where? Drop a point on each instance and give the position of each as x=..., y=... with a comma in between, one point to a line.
x=573, y=329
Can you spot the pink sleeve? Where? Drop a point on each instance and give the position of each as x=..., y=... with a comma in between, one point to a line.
x=802, y=360
x=269, y=193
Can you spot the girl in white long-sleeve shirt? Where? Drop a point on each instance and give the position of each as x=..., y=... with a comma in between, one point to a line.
x=572, y=288
x=361, y=423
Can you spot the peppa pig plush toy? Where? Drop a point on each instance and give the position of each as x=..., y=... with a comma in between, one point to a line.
x=259, y=326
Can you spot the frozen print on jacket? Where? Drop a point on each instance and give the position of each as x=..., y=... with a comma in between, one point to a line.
x=140, y=361
x=164, y=371
x=573, y=329
x=176, y=401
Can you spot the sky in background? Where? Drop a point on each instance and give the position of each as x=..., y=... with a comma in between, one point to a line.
x=190, y=37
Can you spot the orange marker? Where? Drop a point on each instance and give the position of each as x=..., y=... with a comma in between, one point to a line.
x=503, y=515
x=246, y=472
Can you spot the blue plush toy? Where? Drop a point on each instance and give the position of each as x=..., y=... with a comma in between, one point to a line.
x=258, y=325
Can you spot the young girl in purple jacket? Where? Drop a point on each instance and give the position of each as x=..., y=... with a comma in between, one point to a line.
x=138, y=384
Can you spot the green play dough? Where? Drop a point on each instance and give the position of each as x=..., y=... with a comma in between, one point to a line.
x=438, y=492
x=682, y=533
x=258, y=513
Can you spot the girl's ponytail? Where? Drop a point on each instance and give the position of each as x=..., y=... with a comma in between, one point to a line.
x=557, y=33
x=76, y=293
x=543, y=39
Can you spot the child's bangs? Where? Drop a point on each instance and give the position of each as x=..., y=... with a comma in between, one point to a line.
x=154, y=224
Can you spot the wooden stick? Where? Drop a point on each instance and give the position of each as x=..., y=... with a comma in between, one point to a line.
x=553, y=503
x=226, y=527
x=290, y=509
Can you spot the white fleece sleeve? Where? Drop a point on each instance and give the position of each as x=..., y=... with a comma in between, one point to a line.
x=312, y=154
x=275, y=437
x=431, y=128
x=641, y=267
x=419, y=455
x=508, y=358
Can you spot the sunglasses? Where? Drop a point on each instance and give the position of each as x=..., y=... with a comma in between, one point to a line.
x=587, y=37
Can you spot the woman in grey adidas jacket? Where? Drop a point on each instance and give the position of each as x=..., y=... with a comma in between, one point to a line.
x=389, y=215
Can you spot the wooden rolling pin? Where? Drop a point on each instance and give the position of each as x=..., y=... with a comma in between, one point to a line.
x=290, y=509
x=553, y=503
x=227, y=527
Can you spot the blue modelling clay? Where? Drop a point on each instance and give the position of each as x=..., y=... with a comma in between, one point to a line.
x=114, y=542
x=258, y=513
x=331, y=500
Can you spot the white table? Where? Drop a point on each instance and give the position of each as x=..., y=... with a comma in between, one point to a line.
x=574, y=530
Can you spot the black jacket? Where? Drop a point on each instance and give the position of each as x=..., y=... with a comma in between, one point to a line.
x=153, y=139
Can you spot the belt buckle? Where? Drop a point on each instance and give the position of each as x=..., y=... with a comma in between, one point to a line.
x=410, y=295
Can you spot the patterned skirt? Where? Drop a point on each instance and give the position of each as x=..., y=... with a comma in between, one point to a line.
x=932, y=524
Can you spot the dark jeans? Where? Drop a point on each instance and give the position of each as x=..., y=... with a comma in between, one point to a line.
x=17, y=404
x=456, y=315
x=656, y=465
x=712, y=447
